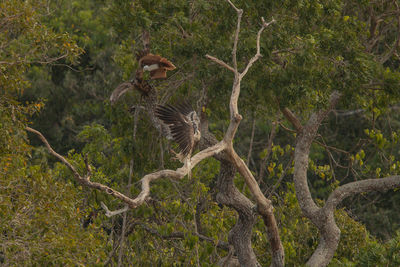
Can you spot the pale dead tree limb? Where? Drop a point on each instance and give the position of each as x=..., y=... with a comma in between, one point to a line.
x=264, y=205
x=110, y=213
x=220, y=62
x=258, y=54
x=246, y=212
x=146, y=180
x=235, y=41
x=343, y=113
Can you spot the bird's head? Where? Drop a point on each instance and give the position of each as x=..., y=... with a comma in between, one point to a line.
x=194, y=119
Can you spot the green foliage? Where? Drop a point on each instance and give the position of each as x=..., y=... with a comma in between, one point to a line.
x=315, y=47
x=300, y=237
x=41, y=222
x=26, y=41
x=375, y=254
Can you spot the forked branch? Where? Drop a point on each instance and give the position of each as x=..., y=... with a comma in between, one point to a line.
x=323, y=218
x=146, y=180
x=264, y=205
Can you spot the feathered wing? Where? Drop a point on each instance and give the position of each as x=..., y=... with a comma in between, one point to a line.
x=163, y=65
x=120, y=90
x=166, y=64
x=160, y=73
x=181, y=128
x=149, y=59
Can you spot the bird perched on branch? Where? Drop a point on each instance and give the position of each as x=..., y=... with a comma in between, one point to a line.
x=156, y=65
x=184, y=125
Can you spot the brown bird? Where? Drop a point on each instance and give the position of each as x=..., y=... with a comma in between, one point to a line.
x=184, y=125
x=157, y=65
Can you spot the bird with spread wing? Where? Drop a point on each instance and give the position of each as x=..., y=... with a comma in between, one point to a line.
x=155, y=64
x=184, y=125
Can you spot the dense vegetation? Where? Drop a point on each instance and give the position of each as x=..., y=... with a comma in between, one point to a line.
x=61, y=60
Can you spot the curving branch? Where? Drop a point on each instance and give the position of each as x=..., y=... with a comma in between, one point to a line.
x=264, y=205
x=302, y=151
x=364, y=186
x=258, y=54
x=323, y=217
x=234, y=113
x=242, y=205
x=110, y=213
x=329, y=232
x=178, y=174
x=146, y=180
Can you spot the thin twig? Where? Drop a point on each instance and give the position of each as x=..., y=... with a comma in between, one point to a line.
x=235, y=42
x=258, y=53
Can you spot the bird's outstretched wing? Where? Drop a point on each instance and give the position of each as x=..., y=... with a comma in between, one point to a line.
x=181, y=128
x=120, y=90
x=162, y=65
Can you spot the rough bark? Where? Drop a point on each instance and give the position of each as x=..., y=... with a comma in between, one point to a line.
x=240, y=234
x=329, y=232
x=323, y=217
x=264, y=205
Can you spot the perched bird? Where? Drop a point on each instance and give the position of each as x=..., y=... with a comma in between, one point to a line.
x=184, y=125
x=156, y=65
x=137, y=83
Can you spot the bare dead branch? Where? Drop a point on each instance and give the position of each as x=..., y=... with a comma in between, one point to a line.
x=258, y=54
x=235, y=41
x=133, y=203
x=113, y=213
x=178, y=174
x=121, y=90
x=264, y=205
x=220, y=62
x=234, y=113
x=234, y=7
x=52, y=152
